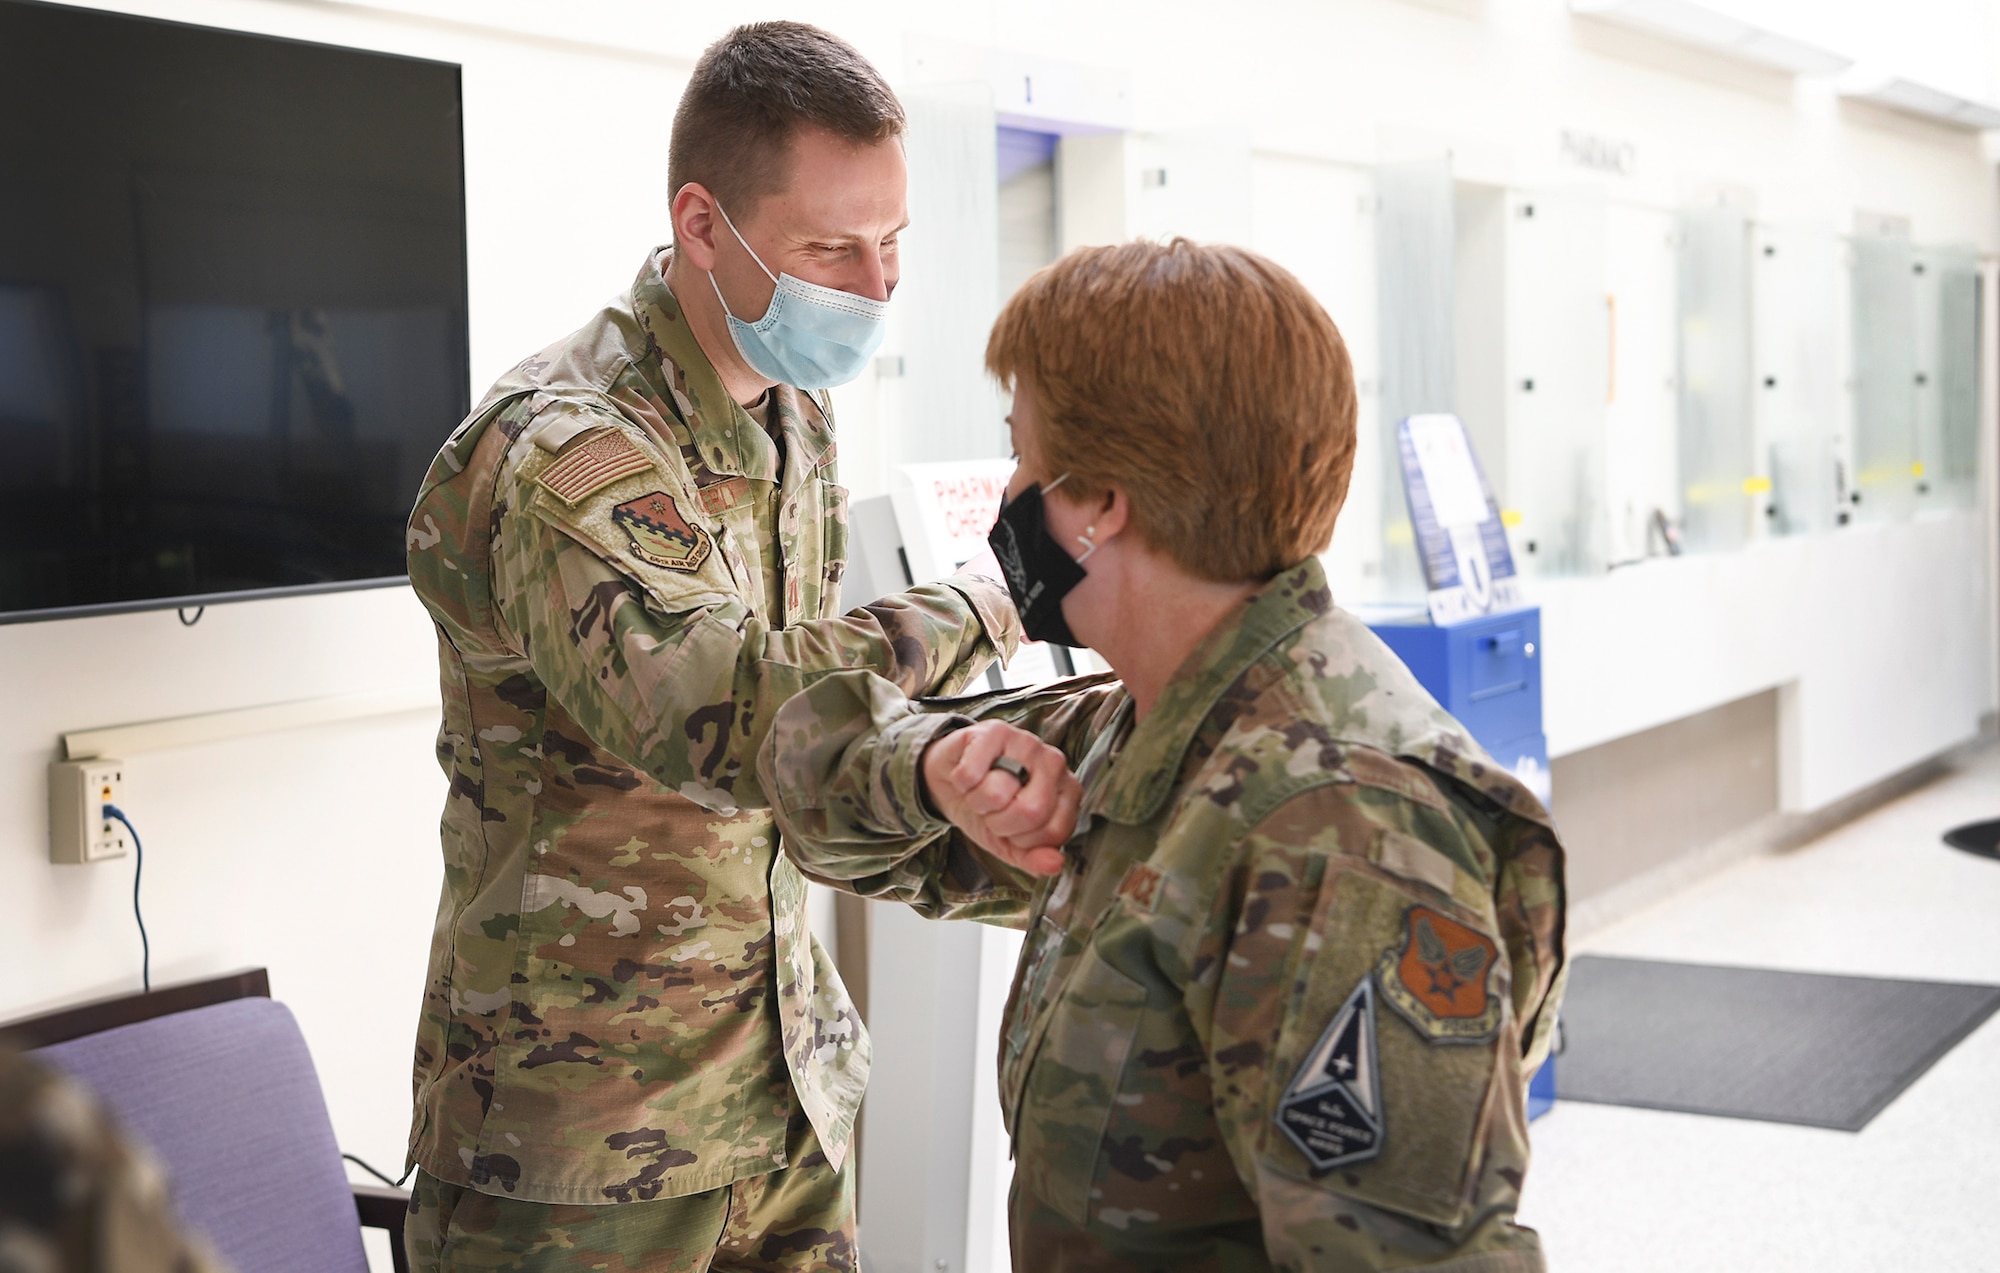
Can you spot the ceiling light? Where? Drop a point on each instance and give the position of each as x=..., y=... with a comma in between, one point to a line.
x=1921, y=99
x=1718, y=32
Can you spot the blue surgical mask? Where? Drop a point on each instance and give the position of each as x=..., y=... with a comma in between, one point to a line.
x=811, y=337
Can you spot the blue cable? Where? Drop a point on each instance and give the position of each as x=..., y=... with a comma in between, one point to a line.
x=138, y=869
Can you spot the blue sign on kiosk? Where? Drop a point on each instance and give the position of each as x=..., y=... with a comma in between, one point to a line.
x=1474, y=646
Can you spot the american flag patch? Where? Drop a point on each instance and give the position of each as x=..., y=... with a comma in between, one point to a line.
x=591, y=463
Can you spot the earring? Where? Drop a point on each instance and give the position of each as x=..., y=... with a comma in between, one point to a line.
x=1088, y=541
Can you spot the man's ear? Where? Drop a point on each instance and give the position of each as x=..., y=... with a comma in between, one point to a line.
x=695, y=225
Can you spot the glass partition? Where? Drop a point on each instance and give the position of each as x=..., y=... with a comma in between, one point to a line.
x=1414, y=300
x=1558, y=368
x=948, y=298
x=1948, y=378
x=1717, y=489
x=1886, y=464
x=1795, y=306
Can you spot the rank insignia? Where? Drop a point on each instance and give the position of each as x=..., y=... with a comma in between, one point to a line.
x=1333, y=1109
x=1440, y=978
x=587, y=466
x=1141, y=886
x=660, y=534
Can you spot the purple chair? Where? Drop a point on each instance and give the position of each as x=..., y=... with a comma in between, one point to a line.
x=215, y=1079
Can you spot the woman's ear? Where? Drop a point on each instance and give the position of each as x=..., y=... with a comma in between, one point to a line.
x=1113, y=514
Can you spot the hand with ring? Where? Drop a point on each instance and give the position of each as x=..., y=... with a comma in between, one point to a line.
x=1012, y=793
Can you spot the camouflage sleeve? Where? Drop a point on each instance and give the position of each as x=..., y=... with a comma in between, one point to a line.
x=844, y=763
x=77, y=1197
x=1361, y=1037
x=674, y=674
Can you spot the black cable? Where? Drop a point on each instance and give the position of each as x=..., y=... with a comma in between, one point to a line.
x=187, y=622
x=364, y=1164
x=138, y=869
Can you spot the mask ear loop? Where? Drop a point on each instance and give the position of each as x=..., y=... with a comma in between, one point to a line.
x=746, y=244
x=1089, y=544
x=747, y=248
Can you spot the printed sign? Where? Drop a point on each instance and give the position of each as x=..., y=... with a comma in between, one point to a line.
x=1468, y=567
x=955, y=505
x=944, y=516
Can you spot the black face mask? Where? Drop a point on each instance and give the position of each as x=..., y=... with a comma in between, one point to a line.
x=1039, y=573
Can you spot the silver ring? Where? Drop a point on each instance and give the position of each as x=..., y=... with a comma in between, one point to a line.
x=1012, y=768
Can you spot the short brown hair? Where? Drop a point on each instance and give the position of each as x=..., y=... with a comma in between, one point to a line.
x=751, y=93
x=1205, y=382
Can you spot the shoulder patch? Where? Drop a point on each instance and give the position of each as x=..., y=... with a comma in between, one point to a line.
x=1439, y=978
x=659, y=534
x=1332, y=1109
x=592, y=463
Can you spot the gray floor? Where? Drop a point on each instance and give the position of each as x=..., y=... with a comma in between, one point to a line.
x=1618, y=1190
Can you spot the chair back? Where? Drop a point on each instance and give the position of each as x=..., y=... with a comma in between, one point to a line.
x=227, y=1099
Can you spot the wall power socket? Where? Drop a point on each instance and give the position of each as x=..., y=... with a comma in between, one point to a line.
x=78, y=829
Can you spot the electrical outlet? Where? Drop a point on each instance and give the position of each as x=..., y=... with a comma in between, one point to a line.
x=78, y=829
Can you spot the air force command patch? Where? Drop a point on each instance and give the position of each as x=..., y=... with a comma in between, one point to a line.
x=1440, y=978
x=660, y=534
x=1333, y=1109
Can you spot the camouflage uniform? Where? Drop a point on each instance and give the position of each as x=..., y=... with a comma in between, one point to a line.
x=75, y=1196
x=1280, y=1007
x=628, y=575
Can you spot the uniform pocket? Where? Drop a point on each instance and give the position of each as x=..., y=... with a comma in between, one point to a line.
x=1071, y=1082
x=832, y=565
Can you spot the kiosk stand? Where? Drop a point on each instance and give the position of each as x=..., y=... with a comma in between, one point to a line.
x=933, y=1154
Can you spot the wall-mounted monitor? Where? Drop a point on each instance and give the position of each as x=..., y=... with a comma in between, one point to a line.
x=232, y=309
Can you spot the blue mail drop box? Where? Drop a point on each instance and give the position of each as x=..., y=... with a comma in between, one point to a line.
x=1487, y=672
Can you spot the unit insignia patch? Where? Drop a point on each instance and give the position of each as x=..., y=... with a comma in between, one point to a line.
x=660, y=534
x=1440, y=978
x=589, y=465
x=1333, y=1109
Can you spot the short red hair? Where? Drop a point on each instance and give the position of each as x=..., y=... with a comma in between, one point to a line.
x=1203, y=381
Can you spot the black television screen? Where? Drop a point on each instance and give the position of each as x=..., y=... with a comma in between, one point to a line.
x=232, y=309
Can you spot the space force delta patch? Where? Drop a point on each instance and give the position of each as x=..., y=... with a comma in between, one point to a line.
x=1333, y=1109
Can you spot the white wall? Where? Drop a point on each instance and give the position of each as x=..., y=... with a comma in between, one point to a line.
x=1879, y=647
x=313, y=852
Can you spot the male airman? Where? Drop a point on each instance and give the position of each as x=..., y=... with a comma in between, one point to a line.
x=632, y=1053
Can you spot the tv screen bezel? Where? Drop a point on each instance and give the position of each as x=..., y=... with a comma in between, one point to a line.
x=187, y=601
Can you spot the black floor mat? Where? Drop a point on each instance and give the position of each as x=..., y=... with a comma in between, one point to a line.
x=1780, y=1047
